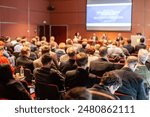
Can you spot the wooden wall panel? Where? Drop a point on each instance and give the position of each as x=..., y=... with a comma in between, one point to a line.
x=14, y=18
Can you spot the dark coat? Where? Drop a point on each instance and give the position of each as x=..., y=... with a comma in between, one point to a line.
x=100, y=92
x=14, y=90
x=139, y=46
x=25, y=62
x=132, y=84
x=68, y=65
x=130, y=48
x=80, y=78
x=100, y=66
x=49, y=76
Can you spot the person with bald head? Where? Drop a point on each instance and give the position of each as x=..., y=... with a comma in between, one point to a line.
x=132, y=83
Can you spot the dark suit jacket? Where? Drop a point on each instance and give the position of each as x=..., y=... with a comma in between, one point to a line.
x=79, y=77
x=132, y=84
x=49, y=76
x=100, y=66
x=68, y=65
x=130, y=48
x=25, y=62
x=140, y=46
x=14, y=90
x=100, y=92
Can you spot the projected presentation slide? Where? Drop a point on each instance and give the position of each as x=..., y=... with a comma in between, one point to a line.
x=109, y=16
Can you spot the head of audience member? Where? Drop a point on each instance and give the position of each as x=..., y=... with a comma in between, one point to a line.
x=90, y=50
x=84, y=40
x=18, y=39
x=53, y=46
x=25, y=51
x=82, y=60
x=103, y=52
x=142, y=56
x=129, y=41
x=62, y=46
x=33, y=41
x=37, y=38
x=109, y=42
x=52, y=39
x=5, y=73
x=131, y=62
x=78, y=93
x=97, y=47
x=71, y=53
x=45, y=49
x=75, y=41
x=84, y=44
x=43, y=38
x=26, y=44
x=46, y=60
x=7, y=40
x=111, y=80
x=69, y=41
x=142, y=40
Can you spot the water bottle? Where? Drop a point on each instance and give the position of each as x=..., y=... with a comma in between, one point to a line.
x=21, y=71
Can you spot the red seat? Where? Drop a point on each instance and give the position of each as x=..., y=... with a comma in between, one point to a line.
x=45, y=91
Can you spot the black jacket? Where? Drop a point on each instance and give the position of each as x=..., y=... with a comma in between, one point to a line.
x=132, y=84
x=100, y=92
x=49, y=76
x=100, y=66
x=80, y=78
x=14, y=90
x=26, y=62
x=68, y=65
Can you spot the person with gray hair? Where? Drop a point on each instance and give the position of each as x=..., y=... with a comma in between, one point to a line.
x=142, y=69
x=132, y=84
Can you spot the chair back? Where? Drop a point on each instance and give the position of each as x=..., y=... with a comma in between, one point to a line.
x=45, y=91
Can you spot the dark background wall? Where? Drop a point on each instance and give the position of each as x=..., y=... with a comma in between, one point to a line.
x=15, y=20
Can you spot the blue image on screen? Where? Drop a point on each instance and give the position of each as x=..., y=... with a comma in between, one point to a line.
x=109, y=14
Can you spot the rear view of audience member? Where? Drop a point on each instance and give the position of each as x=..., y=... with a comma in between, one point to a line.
x=46, y=74
x=142, y=69
x=24, y=59
x=129, y=47
x=141, y=45
x=132, y=83
x=78, y=93
x=69, y=64
x=102, y=64
x=9, y=87
x=105, y=90
x=80, y=77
